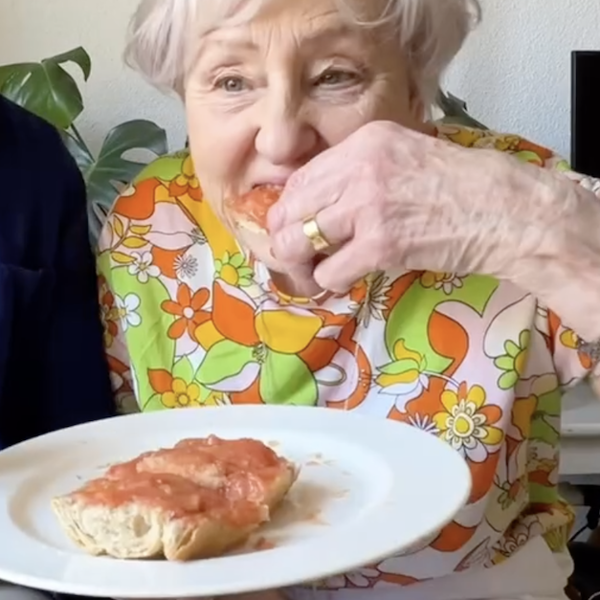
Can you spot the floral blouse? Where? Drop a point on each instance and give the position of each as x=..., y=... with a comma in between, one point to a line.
x=191, y=320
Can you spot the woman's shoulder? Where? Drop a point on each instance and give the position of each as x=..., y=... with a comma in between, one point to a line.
x=511, y=143
x=516, y=145
x=169, y=180
x=166, y=168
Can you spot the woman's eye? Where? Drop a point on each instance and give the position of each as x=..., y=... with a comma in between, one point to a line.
x=337, y=78
x=231, y=84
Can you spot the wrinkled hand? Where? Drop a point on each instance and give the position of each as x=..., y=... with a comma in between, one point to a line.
x=387, y=197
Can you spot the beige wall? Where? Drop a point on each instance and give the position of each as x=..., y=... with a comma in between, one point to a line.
x=516, y=68
x=33, y=29
x=514, y=71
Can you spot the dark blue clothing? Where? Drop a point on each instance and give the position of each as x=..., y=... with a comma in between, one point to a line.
x=53, y=371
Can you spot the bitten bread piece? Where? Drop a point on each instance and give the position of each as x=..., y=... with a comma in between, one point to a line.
x=249, y=211
x=196, y=500
x=147, y=516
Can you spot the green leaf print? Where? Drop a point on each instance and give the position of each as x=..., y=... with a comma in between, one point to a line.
x=224, y=360
x=286, y=379
x=409, y=319
x=398, y=367
x=147, y=341
x=545, y=423
x=154, y=404
x=183, y=369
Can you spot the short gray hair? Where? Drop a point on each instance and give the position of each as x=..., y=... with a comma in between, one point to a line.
x=163, y=32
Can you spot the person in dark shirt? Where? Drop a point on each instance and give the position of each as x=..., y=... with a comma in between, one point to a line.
x=53, y=371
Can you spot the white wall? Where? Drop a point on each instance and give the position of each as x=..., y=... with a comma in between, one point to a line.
x=514, y=72
x=34, y=29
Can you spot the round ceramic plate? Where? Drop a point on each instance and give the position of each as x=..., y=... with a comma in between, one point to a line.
x=367, y=488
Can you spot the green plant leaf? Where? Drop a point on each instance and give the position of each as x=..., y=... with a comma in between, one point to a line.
x=112, y=167
x=46, y=88
x=455, y=111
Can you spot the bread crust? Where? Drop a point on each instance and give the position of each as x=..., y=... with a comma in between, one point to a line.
x=249, y=211
x=166, y=504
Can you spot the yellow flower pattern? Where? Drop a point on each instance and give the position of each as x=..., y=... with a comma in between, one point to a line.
x=182, y=395
x=467, y=424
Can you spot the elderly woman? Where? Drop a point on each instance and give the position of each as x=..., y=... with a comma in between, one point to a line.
x=444, y=277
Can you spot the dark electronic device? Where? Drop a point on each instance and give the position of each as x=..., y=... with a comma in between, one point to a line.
x=585, y=112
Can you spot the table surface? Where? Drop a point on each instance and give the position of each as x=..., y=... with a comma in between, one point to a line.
x=580, y=439
x=580, y=413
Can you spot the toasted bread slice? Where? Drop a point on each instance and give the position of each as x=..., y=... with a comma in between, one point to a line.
x=196, y=500
x=249, y=211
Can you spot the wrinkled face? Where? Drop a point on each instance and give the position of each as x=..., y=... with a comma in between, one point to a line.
x=268, y=95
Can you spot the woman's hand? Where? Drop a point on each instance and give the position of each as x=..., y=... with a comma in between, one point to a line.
x=388, y=197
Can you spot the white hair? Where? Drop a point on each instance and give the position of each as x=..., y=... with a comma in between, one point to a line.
x=163, y=34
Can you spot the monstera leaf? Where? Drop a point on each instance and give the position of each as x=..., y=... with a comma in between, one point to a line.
x=455, y=111
x=107, y=174
x=46, y=88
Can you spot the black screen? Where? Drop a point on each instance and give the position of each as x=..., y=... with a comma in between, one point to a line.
x=585, y=112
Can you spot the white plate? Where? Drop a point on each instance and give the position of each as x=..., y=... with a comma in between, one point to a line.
x=368, y=488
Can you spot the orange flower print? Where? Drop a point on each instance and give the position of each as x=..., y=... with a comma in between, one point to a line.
x=186, y=182
x=137, y=202
x=467, y=423
x=441, y=281
x=188, y=309
x=569, y=339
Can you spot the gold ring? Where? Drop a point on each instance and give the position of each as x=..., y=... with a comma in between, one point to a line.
x=313, y=232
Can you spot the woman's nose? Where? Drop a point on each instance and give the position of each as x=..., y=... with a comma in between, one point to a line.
x=285, y=137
